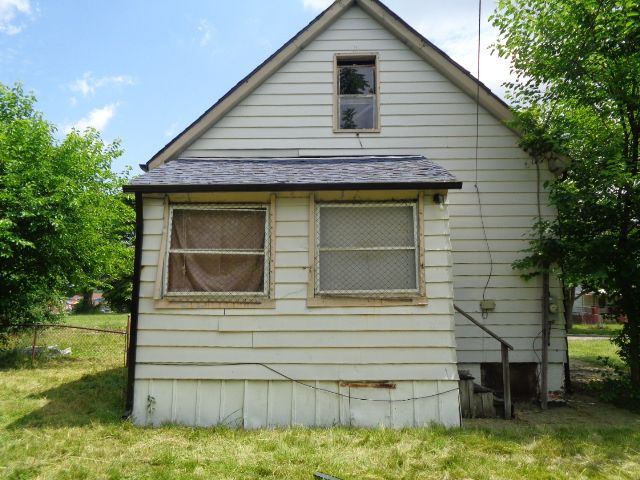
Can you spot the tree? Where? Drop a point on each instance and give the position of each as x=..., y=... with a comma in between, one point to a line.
x=577, y=94
x=63, y=220
x=119, y=288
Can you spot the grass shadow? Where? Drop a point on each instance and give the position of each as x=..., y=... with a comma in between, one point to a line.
x=20, y=359
x=93, y=398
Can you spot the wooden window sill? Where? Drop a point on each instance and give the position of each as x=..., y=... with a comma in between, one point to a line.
x=202, y=304
x=337, y=301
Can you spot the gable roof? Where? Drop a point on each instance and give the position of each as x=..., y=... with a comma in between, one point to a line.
x=295, y=173
x=383, y=15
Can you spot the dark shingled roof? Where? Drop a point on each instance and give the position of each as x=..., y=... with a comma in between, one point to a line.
x=296, y=173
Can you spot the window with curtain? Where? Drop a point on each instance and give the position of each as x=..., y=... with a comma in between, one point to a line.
x=218, y=250
x=367, y=249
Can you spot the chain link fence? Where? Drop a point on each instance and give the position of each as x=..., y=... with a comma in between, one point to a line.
x=87, y=349
x=40, y=342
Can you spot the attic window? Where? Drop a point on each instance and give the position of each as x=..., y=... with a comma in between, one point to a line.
x=357, y=93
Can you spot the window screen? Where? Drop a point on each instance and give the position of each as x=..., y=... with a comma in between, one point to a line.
x=217, y=251
x=357, y=102
x=366, y=249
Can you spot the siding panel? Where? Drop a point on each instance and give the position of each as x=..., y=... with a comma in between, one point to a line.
x=321, y=372
x=302, y=355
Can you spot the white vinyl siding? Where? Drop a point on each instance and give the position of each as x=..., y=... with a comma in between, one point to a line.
x=271, y=403
x=413, y=346
x=421, y=113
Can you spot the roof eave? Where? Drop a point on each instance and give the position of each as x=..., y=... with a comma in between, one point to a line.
x=288, y=187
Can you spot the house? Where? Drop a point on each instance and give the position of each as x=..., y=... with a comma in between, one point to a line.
x=301, y=244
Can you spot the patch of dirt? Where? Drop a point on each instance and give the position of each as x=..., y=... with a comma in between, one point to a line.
x=581, y=408
x=583, y=373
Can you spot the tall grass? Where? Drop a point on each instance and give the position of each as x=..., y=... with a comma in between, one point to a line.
x=62, y=420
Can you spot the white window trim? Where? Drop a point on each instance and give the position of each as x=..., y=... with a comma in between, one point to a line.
x=336, y=91
x=368, y=293
x=266, y=252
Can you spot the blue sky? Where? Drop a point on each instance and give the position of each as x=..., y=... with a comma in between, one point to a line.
x=142, y=70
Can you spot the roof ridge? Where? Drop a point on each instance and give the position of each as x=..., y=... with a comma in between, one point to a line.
x=302, y=158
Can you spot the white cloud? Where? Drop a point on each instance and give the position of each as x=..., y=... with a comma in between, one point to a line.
x=87, y=85
x=453, y=27
x=205, y=30
x=10, y=10
x=172, y=130
x=316, y=5
x=462, y=47
x=97, y=118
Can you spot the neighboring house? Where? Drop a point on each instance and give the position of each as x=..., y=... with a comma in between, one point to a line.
x=586, y=307
x=294, y=262
x=97, y=299
x=594, y=307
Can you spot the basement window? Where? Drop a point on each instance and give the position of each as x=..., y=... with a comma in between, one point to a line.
x=357, y=93
x=367, y=249
x=217, y=251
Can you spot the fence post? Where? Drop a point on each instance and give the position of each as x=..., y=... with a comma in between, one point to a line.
x=33, y=346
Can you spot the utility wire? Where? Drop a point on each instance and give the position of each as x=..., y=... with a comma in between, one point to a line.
x=285, y=376
x=485, y=314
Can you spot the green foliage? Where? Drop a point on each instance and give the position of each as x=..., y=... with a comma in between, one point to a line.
x=615, y=385
x=348, y=120
x=353, y=82
x=63, y=221
x=118, y=294
x=118, y=289
x=577, y=95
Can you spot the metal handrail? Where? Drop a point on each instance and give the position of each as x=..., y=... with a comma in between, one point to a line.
x=482, y=327
x=504, y=351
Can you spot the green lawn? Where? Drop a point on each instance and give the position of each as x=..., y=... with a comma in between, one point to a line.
x=61, y=420
x=60, y=423
x=110, y=321
x=589, y=351
x=597, y=329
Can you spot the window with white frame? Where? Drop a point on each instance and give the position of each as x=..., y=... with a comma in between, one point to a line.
x=219, y=251
x=357, y=96
x=367, y=249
